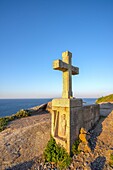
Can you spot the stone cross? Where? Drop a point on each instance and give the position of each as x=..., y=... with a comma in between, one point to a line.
x=68, y=114
x=68, y=70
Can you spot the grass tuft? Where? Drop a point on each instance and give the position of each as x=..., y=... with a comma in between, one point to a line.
x=75, y=149
x=111, y=160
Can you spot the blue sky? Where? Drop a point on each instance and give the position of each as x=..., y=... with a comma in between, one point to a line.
x=34, y=33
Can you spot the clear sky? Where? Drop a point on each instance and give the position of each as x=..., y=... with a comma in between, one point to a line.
x=33, y=33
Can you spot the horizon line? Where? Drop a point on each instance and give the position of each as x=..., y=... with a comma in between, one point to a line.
x=51, y=98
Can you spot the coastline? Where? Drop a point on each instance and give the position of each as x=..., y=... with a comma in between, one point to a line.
x=9, y=107
x=12, y=106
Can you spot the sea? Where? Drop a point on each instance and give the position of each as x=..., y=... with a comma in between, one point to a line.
x=11, y=106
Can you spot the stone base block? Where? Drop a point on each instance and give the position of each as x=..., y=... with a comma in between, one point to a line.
x=62, y=114
x=67, y=102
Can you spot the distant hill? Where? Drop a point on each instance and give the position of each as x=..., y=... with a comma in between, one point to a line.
x=108, y=98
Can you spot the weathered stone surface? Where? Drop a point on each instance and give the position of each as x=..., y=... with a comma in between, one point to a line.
x=49, y=107
x=66, y=103
x=68, y=70
x=41, y=108
x=106, y=109
x=83, y=146
x=24, y=139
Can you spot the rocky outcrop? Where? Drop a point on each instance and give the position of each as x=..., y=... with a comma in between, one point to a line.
x=44, y=107
x=23, y=141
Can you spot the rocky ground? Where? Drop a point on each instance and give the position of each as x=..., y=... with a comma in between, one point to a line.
x=22, y=144
x=23, y=140
x=101, y=147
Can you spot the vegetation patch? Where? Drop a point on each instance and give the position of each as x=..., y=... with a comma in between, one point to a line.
x=75, y=148
x=111, y=160
x=55, y=153
x=108, y=98
x=4, y=121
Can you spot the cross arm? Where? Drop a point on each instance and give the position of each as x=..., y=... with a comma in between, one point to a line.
x=75, y=70
x=60, y=65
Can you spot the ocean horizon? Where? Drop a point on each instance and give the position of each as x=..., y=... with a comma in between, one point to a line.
x=11, y=106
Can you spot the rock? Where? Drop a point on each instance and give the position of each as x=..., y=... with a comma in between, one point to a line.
x=83, y=146
x=43, y=107
x=105, y=109
x=49, y=107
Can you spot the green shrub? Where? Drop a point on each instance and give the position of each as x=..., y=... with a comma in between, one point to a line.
x=75, y=149
x=111, y=157
x=111, y=160
x=3, y=123
x=22, y=113
x=57, y=154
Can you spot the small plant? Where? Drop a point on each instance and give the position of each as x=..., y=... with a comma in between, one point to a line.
x=22, y=113
x=75, y=149
x=111, y=160
x=57, y=154
x=3, y=123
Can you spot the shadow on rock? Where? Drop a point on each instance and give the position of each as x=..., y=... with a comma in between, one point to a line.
x=22, y=166
x=98, y=163
x=94, y=134
x=105, y=110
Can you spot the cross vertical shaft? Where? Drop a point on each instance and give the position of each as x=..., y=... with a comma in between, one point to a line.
x=68, y=70
x=67, y=76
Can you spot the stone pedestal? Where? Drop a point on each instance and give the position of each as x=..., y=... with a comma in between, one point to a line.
x=63, y=124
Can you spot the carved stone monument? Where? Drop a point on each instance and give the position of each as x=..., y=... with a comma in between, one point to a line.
x=64, y=110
